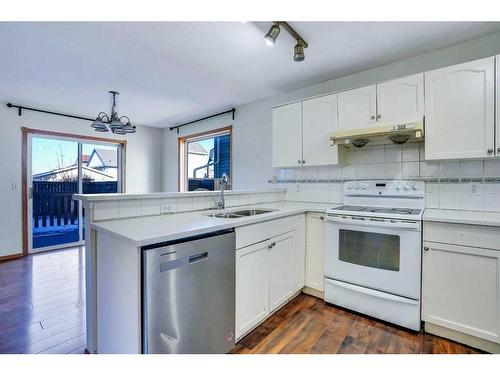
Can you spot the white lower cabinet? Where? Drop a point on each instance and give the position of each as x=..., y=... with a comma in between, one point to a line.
x=252, y=289
x=270, y=272
x=315, y=248
x=461, y=285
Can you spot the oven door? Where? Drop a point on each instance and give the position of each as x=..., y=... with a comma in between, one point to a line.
x=382, y=254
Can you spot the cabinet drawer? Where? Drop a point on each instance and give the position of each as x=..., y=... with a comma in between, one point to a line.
x=462, y=234
x=254, y=233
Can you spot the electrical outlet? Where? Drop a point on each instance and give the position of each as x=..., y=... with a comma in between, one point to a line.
x=473, y=189
x=166, y=208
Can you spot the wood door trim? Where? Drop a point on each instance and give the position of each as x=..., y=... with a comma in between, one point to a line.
x=5, y=258
x=182, y=140
x=24, y=171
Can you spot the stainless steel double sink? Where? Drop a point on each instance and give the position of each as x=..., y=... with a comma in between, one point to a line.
x=239, y=214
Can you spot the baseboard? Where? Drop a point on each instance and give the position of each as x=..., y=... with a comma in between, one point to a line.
x=313, y=292
x=475, y=342
x=10, y=257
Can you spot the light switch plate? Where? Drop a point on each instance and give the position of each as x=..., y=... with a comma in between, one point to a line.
x=15, y=186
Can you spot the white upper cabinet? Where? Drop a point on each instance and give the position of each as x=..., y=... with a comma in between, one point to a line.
x=320, y=120
x=459, y=111
x=401, y=100
x=357, y=108
x=497, y=105
x=287, y=135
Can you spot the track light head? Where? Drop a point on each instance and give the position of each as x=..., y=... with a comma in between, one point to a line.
x=298, y=52
x=271, y=36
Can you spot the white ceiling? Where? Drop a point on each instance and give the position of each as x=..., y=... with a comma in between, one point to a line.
x=174, y=71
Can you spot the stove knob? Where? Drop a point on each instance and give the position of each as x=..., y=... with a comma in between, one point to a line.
x=398, y=188
x=406, y=187
x=414, y=187
x=357, y=186
x=349, y=186
x=364, y=186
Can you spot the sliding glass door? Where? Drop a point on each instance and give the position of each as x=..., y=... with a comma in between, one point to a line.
x=59, y=167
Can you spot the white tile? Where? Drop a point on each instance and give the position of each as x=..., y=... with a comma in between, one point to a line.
x=200, y=203
x=471, y=168
x=231, y=201
x=130, y=208
x=290, y=174
x=492, y=168
x=370, y=171
x=393, y=170
x=410, y=153
x=449, y=169
x=432, y=200
x=362, y=156
x=150, y=207
x=349, y=155
x=335, y=172
x=449, y=196
x=323, y=196
x=410, y=169
x=376, y=154
x=348, y=171
x=311, y=173
x=472, y=196
x=492, y=198
x=432, y=188
x=168, y=205
x=429, y=169
x=185, y=204
x=392, y=154
x=323, y=173
x=106, y=210
x=335, y=196
x=301, y=173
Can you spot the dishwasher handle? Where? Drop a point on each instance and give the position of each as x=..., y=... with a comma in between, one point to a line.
x=198, y=257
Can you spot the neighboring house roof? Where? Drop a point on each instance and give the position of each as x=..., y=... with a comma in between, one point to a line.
x=68, y=171
x=107, y=158
x=196, y=148
x=85, y=159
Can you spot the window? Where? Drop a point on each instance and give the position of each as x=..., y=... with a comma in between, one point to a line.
x=203, y=159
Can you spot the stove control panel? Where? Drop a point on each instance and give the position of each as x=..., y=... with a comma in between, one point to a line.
x=385, y=188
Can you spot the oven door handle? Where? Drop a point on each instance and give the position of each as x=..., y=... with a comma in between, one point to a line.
x=385, y=223
x=372, y=292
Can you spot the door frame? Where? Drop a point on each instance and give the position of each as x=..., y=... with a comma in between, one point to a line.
x=27, y=133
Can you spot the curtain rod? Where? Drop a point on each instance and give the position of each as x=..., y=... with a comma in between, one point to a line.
x=21, y=107
x=232, y=111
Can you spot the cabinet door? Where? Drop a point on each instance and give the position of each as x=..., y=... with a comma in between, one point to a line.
x=459, y=111
x=252, y=293
x=320, y=120
x=497, y=105
x=357, y=108
x=460, y=289
x=281, y=267
x=315, y=233
x=287, y=135
x=300, y=253
x=401, y=100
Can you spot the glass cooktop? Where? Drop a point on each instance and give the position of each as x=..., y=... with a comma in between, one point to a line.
x=380, y=210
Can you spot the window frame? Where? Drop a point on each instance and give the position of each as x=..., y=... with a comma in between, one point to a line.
x=182, y=153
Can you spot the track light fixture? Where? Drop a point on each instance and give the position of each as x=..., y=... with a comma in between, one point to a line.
x=274, y=31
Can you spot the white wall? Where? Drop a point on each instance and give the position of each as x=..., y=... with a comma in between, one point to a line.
x=143, y=167
x=252, y=127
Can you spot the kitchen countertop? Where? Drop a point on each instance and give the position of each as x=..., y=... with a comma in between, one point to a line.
x=463, y=217
x=149, y=230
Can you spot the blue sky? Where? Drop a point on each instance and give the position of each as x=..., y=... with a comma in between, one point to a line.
x=48, y=154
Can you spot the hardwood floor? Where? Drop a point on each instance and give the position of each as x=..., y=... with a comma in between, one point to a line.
x=308, y=325
x=42, y=310
x=42, y=300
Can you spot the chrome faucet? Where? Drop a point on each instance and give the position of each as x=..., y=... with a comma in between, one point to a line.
x=221, y=203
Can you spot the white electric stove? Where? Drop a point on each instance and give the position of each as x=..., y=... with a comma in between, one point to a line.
x=373, y=250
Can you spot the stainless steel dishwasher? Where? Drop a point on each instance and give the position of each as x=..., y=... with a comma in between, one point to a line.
x=189, y=295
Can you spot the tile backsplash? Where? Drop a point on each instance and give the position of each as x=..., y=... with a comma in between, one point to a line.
x=466, y=184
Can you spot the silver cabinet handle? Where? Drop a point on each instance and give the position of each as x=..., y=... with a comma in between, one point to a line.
x=299, y=161
x=322, y=217
x=490, y=151
x=498, y=149
x=373, y=117
x=379, y=116
x=303, y=161
x=426, y=248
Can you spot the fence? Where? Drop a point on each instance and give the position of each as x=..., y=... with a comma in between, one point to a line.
x=53, y=204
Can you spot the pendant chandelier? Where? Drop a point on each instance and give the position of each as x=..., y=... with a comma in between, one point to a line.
x=118, y=125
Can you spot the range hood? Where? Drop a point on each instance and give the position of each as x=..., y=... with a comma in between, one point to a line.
x=379, y=135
